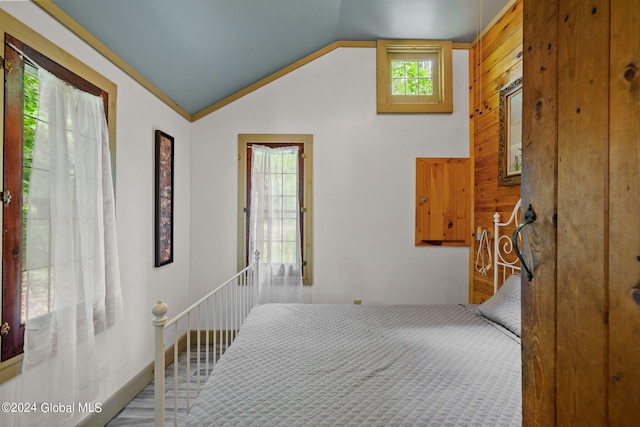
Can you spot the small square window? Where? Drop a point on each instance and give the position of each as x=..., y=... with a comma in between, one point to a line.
x=414, y=76
x=411, y=77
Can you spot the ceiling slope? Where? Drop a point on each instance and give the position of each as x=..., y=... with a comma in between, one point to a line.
x=199, y=52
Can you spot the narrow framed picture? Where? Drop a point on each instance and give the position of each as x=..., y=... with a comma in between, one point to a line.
x=164, y=152
x=510, y=129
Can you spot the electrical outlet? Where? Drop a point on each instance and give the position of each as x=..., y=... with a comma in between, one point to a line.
x=481, y=230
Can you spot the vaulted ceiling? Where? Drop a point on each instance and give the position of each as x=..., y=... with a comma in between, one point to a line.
x=198, y=52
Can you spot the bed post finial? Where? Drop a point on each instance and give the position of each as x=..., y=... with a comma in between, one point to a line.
x=159, y=310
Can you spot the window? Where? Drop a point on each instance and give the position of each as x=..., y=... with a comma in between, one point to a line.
x=292, y=179
x=20, y=105
x=414, y=77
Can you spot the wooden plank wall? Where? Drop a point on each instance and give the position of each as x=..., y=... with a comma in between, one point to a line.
x=495, y=61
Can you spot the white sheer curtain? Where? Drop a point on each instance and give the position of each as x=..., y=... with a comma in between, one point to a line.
x=275, y=223
x=74, y=336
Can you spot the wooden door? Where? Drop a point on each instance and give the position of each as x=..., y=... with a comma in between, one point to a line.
x=624, y=204
x=581, y=312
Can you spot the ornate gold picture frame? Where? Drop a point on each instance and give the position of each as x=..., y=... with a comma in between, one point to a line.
x=510, y=148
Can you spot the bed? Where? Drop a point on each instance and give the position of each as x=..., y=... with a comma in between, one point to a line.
x=317, y=365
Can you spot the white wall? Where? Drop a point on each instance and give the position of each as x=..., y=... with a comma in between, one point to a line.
x=139, y=113
x=364, y=182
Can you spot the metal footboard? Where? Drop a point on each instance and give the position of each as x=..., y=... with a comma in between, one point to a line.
x=214, y=321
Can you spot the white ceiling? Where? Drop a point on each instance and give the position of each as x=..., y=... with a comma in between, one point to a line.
x=198, y=52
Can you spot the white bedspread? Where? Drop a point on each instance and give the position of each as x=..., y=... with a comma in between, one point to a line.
x=350, y=365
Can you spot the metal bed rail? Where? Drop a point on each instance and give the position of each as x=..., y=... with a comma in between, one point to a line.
x=218, y=316
x=503, y=247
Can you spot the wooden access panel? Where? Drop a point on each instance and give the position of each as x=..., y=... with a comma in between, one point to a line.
x=442, y=201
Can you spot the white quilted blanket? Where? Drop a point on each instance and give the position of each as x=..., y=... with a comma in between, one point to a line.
x=350, y=365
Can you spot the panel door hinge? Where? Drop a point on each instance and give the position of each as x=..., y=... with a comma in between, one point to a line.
x=4, y=329
x=6, y=64
x=5, y=196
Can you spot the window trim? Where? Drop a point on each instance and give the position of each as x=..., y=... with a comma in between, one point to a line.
x=10, y=25
x=386, y=50
x=307, y=226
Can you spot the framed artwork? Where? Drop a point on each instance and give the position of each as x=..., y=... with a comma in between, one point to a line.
x=164, y=198
x=510, y=148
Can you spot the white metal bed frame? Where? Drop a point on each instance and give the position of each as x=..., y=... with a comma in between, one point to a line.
x=221, y=312
x=504, y=242
x=227, y=306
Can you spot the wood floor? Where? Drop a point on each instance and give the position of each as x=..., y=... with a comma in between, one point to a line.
x=140, y=411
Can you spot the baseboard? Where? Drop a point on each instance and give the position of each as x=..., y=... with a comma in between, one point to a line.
x=221, y=337
x=114, y=404
x=11, y=368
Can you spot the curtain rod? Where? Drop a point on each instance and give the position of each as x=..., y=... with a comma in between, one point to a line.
x=24, y=55
x=35, y=65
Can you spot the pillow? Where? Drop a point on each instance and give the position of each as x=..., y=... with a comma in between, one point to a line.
x=504, y=307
